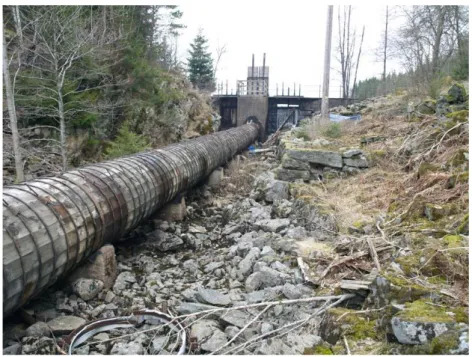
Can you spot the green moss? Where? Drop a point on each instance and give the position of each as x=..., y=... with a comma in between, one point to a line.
x=318, y=350
x=419, y=311
x=436, y=280
x=359, y=326
x=403, y=290
x=436, y=212
x=302, y=134
x=392, y=207
x=414, y=263
x=461, y=315
x=333, y=130
x=462, y=177
x=426, y=167
x=338, y=349
x=458, y=159
x=464, y=225
x=359, y=224
x=453, y=241
x=444, y=344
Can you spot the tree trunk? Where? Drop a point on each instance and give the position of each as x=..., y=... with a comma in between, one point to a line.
x=357, y=63
x=16, y=16
x=327, y=59
x=12, y=114
x=384, y=76
x=62, y=123
x=437, y=40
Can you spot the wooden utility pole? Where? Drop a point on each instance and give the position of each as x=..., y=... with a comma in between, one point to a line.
x=325, y=98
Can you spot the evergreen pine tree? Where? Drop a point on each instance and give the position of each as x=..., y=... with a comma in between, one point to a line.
x=200, y=64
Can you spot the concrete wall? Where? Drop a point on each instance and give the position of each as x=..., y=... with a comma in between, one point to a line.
x=252, y=106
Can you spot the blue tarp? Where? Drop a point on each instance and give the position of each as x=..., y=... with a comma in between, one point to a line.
x=337, y=118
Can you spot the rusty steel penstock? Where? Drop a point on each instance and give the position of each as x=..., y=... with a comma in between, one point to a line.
x=52, y=224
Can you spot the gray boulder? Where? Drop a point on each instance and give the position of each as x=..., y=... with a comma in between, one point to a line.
x=300, y=342
x=13, y=350
x=320, y=157
x=236, y=318
x=210, y=267
x=164, y=241
x=359, y=161
x=282, y=208
x=274, y=347
x=217, y=340
x=352, y=152
x=456, y=94
x=65, y=324
x=192, y=307
x=266, y=277
x=212, y=297
x=293, y=164
x=245, y=265
x=292, y=175
x=414, y=332
x=123, y=348
x=38, y=329
x=203, y=329
x=123, y=282
x=272, y=225
x=87, y=289
x=267, y=188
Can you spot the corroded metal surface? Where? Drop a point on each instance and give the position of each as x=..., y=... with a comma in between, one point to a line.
x=52, y=224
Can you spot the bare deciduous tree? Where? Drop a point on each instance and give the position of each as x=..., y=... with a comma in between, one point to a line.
x=346, y=48
x=428, y=38
x=63, y=37
x=220, y=51
x=357, y=62
x=384, y=74
x=12, y=115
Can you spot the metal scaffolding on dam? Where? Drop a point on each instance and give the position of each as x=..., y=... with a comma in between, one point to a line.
x=52, y=224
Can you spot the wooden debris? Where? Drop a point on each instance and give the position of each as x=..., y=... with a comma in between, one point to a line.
x=373, y=254
x=355, y=284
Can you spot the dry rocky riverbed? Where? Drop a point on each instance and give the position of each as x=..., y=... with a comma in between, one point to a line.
x=230, y=251
x=271, y=255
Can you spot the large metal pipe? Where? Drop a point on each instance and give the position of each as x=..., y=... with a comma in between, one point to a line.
x=50, y=225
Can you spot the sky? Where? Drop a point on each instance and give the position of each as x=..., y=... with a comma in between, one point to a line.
x=292, y=34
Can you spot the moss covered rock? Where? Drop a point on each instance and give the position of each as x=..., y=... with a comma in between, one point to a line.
x=319, y=157
x=289, y=163
x=456, y=94
x=345, y=322
x=392, y=289
x=435, y=212
x=459, y=115
x=427, y=107
x=292, y=175
x=421, y=322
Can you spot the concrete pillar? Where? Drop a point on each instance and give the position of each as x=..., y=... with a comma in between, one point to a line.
x=174, y=211
x=215, y=178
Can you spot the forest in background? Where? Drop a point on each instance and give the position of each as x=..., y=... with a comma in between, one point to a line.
x=432, y=44
x=95, y=82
